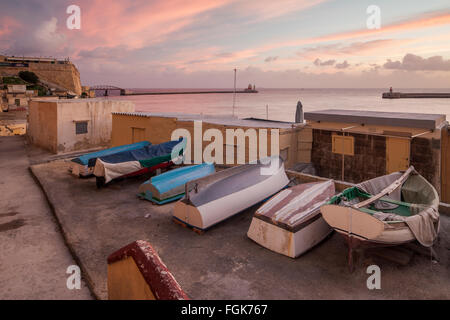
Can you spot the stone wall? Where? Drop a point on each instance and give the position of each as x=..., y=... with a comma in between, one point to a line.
x=368, y=162
x=425, y=157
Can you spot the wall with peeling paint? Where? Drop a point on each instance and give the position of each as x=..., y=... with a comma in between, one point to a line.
x=52, y=124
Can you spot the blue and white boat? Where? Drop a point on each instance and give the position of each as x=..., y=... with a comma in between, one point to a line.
x=140, y=161
x=170, y=186
x=83, y=166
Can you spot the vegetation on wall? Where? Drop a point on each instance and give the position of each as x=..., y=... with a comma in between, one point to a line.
x=29, y=76
x=42, y=91
x=13, y=80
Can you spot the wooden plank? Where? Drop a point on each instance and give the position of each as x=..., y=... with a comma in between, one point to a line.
x=304, y=178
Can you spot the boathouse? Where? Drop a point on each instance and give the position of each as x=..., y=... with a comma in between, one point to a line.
x=131, y=127
x=66, y=125
x=354, y=146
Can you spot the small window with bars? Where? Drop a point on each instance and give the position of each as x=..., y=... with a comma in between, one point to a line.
x=81, y=127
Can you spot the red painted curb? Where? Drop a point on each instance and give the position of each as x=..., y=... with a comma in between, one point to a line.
x=158, y=277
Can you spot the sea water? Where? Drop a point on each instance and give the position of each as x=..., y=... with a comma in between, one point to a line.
x=280, y=104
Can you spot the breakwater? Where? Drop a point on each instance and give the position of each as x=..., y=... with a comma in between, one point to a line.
x=401, y=95
x=130, y=93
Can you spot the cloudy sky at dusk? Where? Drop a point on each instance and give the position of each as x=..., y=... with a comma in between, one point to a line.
x=197, y=43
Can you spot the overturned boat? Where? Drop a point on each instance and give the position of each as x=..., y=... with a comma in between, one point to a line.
x=170, y=186
x=139, y=161
x=290, y=222
x=83, y=166
x=388, y=210
x=216, y=197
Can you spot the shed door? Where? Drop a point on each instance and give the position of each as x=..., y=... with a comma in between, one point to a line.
x=138, y=134
x=397, y=154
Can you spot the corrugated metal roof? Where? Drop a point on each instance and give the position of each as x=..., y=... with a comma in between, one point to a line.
x=215, y=119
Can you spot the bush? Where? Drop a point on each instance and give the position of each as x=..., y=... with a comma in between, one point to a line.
x=29, y=76
x=42, y=91
x=13, y=80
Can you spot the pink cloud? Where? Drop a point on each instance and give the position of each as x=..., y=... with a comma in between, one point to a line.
x=8, y=25
x=352, y=49
x=423, y=21
x=136, y=24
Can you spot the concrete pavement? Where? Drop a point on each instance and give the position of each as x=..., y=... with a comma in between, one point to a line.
x=223, y=263
x=33, y=255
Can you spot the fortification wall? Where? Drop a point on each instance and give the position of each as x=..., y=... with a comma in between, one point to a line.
x=64, y=75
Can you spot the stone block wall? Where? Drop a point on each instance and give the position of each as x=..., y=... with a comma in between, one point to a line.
x=368, y=161
x=425, y=157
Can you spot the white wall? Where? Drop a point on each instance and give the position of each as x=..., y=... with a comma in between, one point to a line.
x=97, y=112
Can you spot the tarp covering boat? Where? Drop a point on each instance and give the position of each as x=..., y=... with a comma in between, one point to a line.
x=132, y=161
x=217, y=197
x=170, y=186
x=290, y=222
x=391, y=209
x=84, y=165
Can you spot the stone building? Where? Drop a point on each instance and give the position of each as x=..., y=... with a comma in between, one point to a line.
x=354, y=146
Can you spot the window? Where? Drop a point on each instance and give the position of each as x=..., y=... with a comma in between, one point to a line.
x=81, y=127
x=343, y=145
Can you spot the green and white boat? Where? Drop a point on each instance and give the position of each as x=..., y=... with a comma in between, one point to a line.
x=388, y=210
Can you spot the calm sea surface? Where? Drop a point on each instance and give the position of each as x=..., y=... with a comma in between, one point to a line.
x=282, y=102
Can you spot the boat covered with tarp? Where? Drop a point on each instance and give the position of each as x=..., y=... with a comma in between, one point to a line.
x=393, y=209
x=218, y=196
x=83, y=165
x=290, y=222
x=139, y=161
x=170, y=186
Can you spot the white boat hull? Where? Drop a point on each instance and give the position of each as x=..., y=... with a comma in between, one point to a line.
x=289, y=243
x=361, y=225
x=210, y=213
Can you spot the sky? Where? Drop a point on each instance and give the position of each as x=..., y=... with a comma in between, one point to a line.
x=272, y=44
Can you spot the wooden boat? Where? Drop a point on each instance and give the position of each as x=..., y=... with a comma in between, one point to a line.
x=83, y=166
x=388, y=210
x=139, y=161
x=170, y=186
x=290, y=223
x=216, y=197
